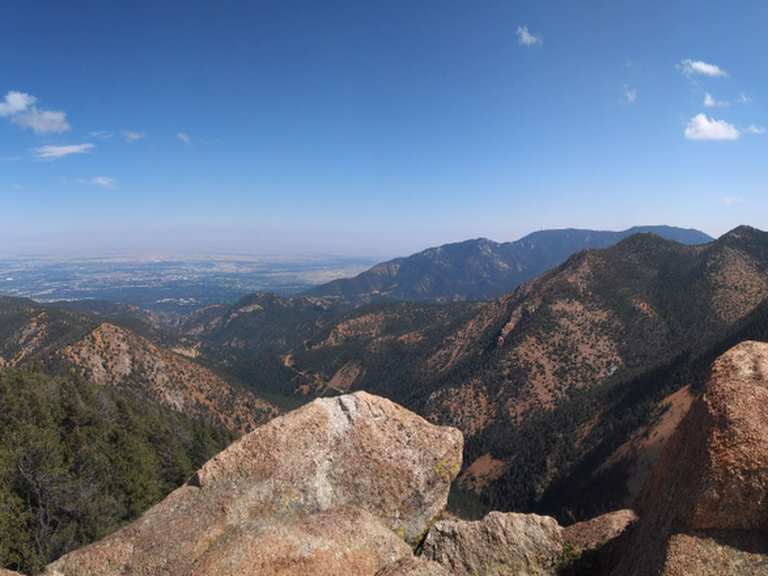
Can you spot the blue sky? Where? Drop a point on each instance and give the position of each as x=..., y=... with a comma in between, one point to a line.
x=374, y=128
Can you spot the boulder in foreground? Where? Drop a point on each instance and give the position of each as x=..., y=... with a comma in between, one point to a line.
x=341, y=481
x=498, y=545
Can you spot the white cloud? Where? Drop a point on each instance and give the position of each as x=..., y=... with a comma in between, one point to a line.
x=42, y=121
x=630, y=94
x=131, y=136
x=525, y=38
x=752, y=129
x=16, y=102
x=729, y=201
x=699, y=68
x=21, y=110
x=104, y=182
x=711, y=102
x=53, y=152
x=702, y=127
x=744, y=99
x=184, y=137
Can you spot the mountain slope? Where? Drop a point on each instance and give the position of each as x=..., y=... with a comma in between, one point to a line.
x=78, y=461
x=540, y=378
x=61, y=339
x=113, y=356
x=535, y=375
x=481, y=269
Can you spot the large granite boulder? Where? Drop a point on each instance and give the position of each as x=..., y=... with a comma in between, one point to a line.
x=263, y=499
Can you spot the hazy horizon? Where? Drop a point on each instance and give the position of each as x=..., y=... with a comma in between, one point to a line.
x=244, y=254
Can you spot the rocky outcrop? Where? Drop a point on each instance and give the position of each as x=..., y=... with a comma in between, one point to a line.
x=703, y=511
x=339, y=486
x=345, y=540
x=595, y=533
x=414, y=566
x=499, y=545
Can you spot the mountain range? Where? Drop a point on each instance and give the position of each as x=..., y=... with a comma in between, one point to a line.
x=539, y=379
x=567, y=388
x=481, y=269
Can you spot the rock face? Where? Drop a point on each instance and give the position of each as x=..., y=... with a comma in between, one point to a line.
x=593, y=534
x=338, y=486
x=704, y=508
x=414, y=566
x=499, y=545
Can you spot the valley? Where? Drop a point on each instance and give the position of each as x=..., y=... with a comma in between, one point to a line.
x=567, y=388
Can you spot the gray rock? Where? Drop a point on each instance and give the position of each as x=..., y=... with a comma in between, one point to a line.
x=498, y=545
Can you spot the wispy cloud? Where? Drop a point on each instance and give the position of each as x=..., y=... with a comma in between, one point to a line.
x=702, y=127
x=132, y=136
x=20, y=108
x=729, y=201
x=184, y=137
x=51, y=152
x=752, y=129
x=104, y=182
x=101, y=134
x=698, y=68
x=711, y=102
x=630, y=94
x=743, y=99
x=525, y=38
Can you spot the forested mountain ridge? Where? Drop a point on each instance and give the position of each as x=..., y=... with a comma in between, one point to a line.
x=481, y=269
x=61, y=339
x=531, y=378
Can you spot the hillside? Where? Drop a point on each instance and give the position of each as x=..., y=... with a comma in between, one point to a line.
x=78, y=460
x=358, y=485
x=253, y=341
x=561, y=371
x=481, y=269
x=60, y=339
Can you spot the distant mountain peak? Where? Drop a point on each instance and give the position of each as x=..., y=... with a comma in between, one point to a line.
x=479, y=268
x=742, y=231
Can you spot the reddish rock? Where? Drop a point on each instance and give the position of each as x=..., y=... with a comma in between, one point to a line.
x=593, y=534
x=707, y=498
